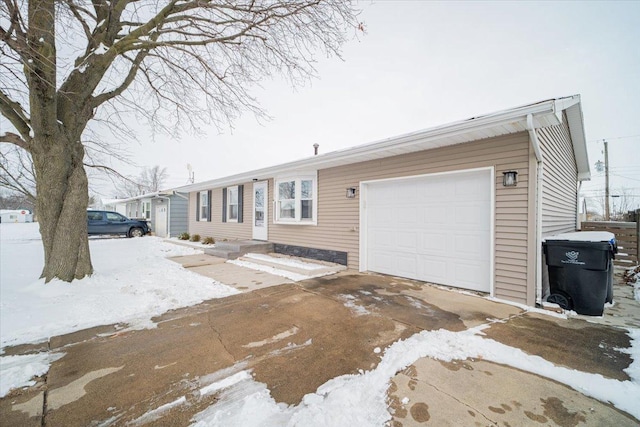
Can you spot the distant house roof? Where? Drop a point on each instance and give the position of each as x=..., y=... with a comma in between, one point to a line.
x=543, y=114
x=163, y=193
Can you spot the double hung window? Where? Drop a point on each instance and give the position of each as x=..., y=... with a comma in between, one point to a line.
x=232, y=204
x=204, y=205
x=296, y=199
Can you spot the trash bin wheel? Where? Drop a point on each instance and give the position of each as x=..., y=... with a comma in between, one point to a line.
x=561, y=298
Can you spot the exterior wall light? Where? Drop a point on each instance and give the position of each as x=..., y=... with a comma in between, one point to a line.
x=510, y=178
x=351, y=193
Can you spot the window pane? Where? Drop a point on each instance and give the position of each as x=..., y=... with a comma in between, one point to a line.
x=203, y=212
x=287, y=190
x=259, y=198
x=307, y=209
x=233, y=211
x=307, y=189
x=233, y=196
x=287, y=209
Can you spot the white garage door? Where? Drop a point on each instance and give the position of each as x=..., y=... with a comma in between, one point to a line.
x=433, y=228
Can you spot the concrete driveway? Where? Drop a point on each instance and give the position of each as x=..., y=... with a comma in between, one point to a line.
x=297, y=336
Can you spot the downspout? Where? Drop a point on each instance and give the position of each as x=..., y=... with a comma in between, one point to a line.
x=533, y=137
x=578, y=217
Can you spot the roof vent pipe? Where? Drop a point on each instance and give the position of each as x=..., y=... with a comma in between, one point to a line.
x=315, y=149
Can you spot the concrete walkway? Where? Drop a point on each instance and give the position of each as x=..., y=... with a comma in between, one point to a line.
x=296, y=336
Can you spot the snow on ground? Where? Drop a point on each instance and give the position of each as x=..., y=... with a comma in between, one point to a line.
x=17, y=371
x=309, y=266
x=133, y=282
x=296, y=277
x=361, y=399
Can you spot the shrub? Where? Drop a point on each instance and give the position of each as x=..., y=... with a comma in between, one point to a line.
x=208, y=241
x=195, y=238
x=184, y=236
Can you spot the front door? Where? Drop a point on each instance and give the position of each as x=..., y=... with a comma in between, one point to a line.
x=160, y=226
x=260, y=211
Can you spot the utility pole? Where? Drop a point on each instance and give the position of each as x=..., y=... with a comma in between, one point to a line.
x=606, y=175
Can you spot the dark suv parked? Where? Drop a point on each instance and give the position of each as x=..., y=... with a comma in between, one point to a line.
x=107, y=222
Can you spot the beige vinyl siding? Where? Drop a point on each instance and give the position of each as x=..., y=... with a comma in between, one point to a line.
x=560, y=180
x=339, y=217
x=216, y=228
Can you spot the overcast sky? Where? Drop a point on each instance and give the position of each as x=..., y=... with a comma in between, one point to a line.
x=422, y=64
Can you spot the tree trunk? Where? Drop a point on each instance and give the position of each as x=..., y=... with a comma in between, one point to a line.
x=61, y=201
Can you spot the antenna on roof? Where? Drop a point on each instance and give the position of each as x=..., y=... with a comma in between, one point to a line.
x=315, y=149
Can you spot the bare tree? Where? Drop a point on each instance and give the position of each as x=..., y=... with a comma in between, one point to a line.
x=150, y=180
x=153, y=178
x=67, y=63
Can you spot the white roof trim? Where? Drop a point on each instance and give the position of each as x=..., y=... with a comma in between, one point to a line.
x=164, y=193
x=545, y=113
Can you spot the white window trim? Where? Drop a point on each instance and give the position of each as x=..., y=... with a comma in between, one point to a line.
x=229, y=190
x=297, y=177
x=204, y=218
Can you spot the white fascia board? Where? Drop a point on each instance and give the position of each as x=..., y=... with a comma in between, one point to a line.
x=576, y=129
x=420, y=140
x=148, y=196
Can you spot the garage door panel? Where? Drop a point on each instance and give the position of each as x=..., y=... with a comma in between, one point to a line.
x=435, y=229
x=433, y=268
x=406, y=240
x=407, y=266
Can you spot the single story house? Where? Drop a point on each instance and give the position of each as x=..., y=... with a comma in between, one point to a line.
x=165, y=210
x=115, y=205
x=465, y=204
x=15, y=215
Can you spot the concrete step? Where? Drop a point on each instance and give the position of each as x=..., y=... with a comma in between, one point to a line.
x=236, y=248
x=322, y=269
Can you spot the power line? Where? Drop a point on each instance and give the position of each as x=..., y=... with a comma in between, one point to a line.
x=614, y=138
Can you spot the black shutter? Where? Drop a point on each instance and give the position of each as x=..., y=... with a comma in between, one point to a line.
x=197, y=206
x=224, y=205
x=209, y=201
x=240, y=199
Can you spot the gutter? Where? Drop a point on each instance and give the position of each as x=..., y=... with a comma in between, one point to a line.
x=430, y=138
x=533, y=137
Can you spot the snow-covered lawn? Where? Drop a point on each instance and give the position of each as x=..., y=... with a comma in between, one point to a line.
x=134, y=282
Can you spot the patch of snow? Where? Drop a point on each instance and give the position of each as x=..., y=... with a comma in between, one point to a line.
x=350, y=303
x=377, y=350
x=18, y=371
x=278, y=337
x=405, y=400
x=196, y=245
x=361, y=399
x=286, y=261
x=225, y=383
x=156, y=414
x=524, y=307
x=271, y=270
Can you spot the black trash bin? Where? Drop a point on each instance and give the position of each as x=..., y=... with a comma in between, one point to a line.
x=580, y=267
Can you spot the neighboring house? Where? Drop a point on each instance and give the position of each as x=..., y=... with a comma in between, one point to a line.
x=15, y=215
x=115, y=205
x=437, y=205
x=165, y=210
